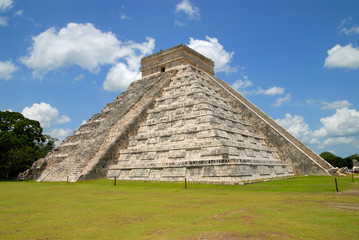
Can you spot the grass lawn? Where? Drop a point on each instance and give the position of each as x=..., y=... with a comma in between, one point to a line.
x=299, y=208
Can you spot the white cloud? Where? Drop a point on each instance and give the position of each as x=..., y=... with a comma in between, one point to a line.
x=242, y=84
x=45, y=114
x=297, y=126
x=75, y=44
x=179, y=23
x=6, y=69
x=212, y=49
x=189, y=9
x=335, y=104
x=335, y=130
x=3, y=21
x=282, y=100
x=271, y=91
x=347, y=28
x=344, y=122
x=60, y=134
x=5, y=5
x=18, y=13
x=337, y=141
x=342, y=57
x=124, y=17
x=87, y=47
x=120, y=77
x=352, y=30
x=79, y=77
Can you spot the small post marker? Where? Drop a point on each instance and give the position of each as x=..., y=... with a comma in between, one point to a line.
x=352, y=176
x=67, y=179
x=114, y=181
x=185, y=182
x=336, y=184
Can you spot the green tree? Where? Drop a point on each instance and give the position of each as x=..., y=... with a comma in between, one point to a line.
x=339, y=162
x=21, y=143
x=351, y=158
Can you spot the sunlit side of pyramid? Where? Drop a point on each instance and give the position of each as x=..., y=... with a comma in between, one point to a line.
x=179, y=121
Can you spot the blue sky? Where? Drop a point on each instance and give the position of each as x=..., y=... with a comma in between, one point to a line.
x=62, y=61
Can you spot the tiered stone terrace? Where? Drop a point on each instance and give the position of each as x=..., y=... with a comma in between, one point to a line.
x=193, y=132
x=178, y=121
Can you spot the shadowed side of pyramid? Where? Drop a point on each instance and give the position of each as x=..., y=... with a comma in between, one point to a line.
x=179, y=121
x=88, y=153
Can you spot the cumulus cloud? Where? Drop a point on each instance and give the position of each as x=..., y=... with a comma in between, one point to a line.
x=242, y=84
x=124, y=17
x=6, y=69
x=186, y=12
x=282, y=100
x=336, y=129
x=271, y=91
x=188, y=8
x=297, y=126
x=352, y=30
x=45, y=114
x=75, y=44
x=79, y=77
x=335, y=104
x=212, y=49
x=60, y=134
x=337, y=141
x=18, y=13
x=3, y=21
x=344, y=122
x=85, y=46
x=5, y=5
x=347, y=28
x=343, y=57
x=121, y=75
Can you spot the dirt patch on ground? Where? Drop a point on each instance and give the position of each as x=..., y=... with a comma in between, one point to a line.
x=352, y=192
x=244, y=213
x=237, y=236
x=215, y=236
x=344, y=205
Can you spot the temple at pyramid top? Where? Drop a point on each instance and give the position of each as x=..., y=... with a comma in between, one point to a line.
x=173, y=57
x=179, y=122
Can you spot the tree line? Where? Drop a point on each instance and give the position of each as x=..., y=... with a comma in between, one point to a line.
x=339, y=162
x=22, y=142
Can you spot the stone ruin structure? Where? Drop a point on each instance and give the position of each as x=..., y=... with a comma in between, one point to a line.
x=179, y=121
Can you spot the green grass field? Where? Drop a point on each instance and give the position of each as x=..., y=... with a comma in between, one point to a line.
x=299, y=208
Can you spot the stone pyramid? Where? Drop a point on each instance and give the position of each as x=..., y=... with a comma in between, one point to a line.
x=179, y=121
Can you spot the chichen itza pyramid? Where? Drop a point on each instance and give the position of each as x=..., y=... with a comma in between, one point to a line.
x=179, y=121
